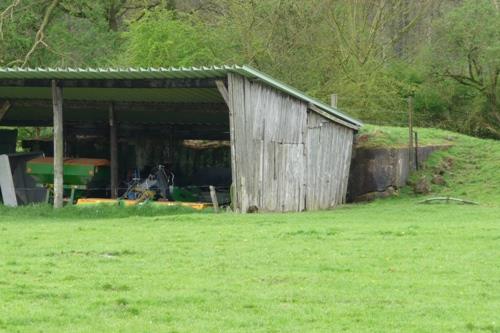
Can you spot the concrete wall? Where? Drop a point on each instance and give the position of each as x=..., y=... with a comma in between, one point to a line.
x=378, y=169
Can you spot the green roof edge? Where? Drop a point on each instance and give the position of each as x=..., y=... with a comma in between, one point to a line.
x=299, y=94
x=244, y=70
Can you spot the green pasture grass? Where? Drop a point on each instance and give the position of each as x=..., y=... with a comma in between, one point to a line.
x=89, y=211
x=389, y=266
x=474, y=172
x=393, y=265
x=391, y=136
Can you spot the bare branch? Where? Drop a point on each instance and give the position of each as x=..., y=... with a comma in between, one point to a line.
x=426, y=4
x=468, y=81
x=40, y=33
x=343, y=38
x=374, y=29
x=496, y=5
x=7, y=12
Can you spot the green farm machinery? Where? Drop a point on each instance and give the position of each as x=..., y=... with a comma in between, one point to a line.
x=79, y=175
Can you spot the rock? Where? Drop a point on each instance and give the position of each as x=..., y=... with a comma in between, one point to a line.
x=422, y=186
x=366, y=197
x=447, y=163
x=252, y=209
x=362, y=138
x=443, y=167
x=438, y=180
x=450, y=138
x=390, y=191
x=439, y=170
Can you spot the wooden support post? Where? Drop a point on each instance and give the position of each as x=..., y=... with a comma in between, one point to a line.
x=333, y=100
x=410, y=134
x=113, y=144
x=228, y=97
x=213, y=195
x=416, y=151
x=57, y=106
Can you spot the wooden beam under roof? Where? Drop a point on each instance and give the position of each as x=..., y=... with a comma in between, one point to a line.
x=114, y=83
x=4, y=108
x=120, y=106
x=24, y=112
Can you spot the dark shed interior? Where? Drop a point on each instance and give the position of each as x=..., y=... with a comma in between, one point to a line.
x=179, y=122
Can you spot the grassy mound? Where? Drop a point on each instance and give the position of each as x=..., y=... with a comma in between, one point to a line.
x=470, y=168
x=371, y=136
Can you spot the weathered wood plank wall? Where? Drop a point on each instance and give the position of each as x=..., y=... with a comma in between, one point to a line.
x=328, y=150
x=285, y=158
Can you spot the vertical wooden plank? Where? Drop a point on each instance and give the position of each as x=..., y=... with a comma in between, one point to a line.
x=213, y=196
x=262, y=169
x=234, y=174
x=305, y=153
x=269, y=145
x=57, y=107
x=328, y=151
x=349, y=143
x=337, y=164
x=410, y=135
x=113, y=145
x=7, y=182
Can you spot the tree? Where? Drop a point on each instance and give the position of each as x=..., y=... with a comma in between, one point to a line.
x=66, y=32
x=161, y=38
x=465, y=49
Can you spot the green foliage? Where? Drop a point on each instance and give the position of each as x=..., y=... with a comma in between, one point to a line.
x=470, y=30
x=465, y=49
x=372, y=54
x=162, y=39
x=76, y=34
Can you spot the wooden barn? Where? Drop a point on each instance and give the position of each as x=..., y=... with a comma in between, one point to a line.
x=286, y=151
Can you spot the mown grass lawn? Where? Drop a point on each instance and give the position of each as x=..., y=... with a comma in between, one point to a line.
x=389, y=266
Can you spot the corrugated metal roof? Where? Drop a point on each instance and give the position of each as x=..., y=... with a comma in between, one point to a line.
x=166, y=73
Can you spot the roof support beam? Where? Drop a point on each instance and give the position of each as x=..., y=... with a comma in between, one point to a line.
x=3, y=109
x=223, y=91
x=330, y=116
x=114, y=83
x=121, y=106
x=57, y=107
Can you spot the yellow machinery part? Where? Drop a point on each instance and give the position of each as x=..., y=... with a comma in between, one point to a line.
x=96, y=201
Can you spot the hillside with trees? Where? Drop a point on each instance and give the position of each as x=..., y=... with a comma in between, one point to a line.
x=372, y=54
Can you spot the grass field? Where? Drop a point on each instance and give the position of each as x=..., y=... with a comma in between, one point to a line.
x=389, y=266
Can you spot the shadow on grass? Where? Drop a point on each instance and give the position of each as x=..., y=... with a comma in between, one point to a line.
x=100, y=211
